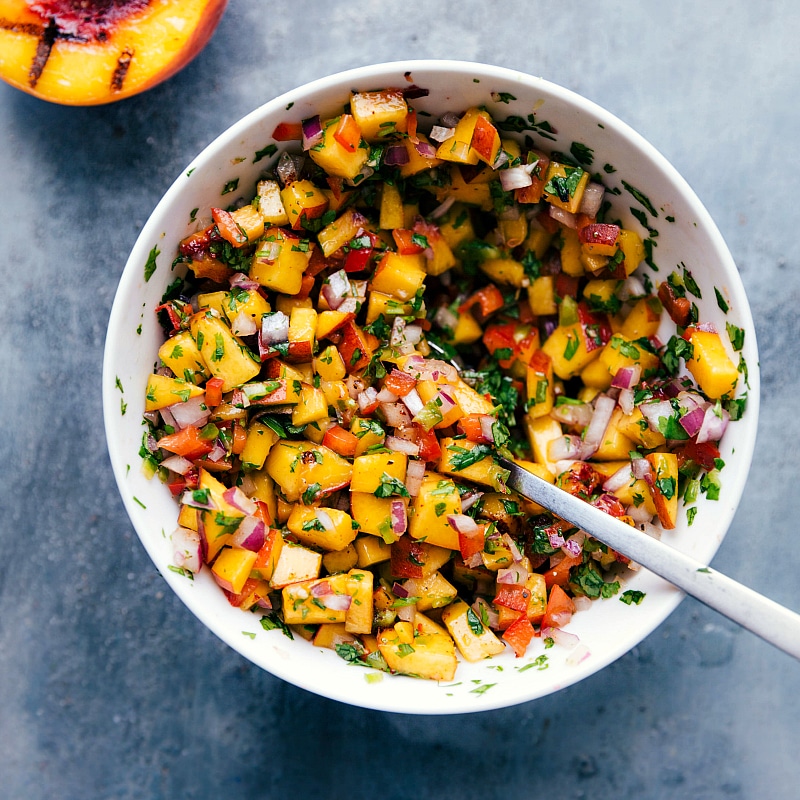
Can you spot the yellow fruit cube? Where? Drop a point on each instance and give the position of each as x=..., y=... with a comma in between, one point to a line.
x=564, y=186
x=457, y=452
x=181, y=355
x=710, y=364
x=163, y=391
x=260, y=439
x=358, y=618
x=430, y=655
x=224, y=355
x=379, y=114
x=323, y=528
x=334, y=157
x=437, y=498
x=280, y=261
x=369, y=471
x=232, y=568
x=399, y=276
x=462, y=623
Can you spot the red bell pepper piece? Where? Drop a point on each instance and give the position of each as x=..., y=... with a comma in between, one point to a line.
x=519, y=634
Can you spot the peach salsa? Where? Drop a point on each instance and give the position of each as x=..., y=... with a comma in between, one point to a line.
x=350, y=350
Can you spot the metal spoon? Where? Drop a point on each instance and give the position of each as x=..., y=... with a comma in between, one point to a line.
x=772, y=622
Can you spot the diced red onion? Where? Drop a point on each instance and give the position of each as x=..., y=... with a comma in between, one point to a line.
x=264, y=602
x=396, y=156
x=631, y=287
x=336, y=602
x=708, y=327
x=355, y=385
x=235, y=497
x=413, y=402
x=412, y=334
x=399, y=517
x=578, y=415
x=177, y=464
x=516, y=573
x=516, y=555
x=469, y=499
x=407, y=613
x=188, y=498
x=559, y=636
x=638, y=513
x=250, y=534
x=582, y=603
x=430, y=369
x=555, y=539
x=502, y=158
x=166, y=417
x=385, y=396
x=578, y=654
x=397, y=335
x=324, y=519
x=688, y=401
x=564, y=217
x=243, y=281
x=514, y=178
x=567, y=447
x=289, y=167
x=415, y=472
x=445, y=318
x=312, y=131
x=396, y=414
x=399, y=445
x=339, y=286
x=572, y=547
x=425, y=149
x=592, y=199
x=193, y=412
x=350, y=305
x=274, y=328
x=187, y=549
x=626, y=399
x=367, y=399
x=217, y=452
x=653, y=411
x=321, y=588
x=461, y=523
x=603, y=409
x=692, y=422
x=640, y=468
x=446, y=403
x=439, y=133
x=243, y=325
x=622, y=477
x=475, y=560
x=445, y=205
x=715, y=422
x=627, y=377
x=400, y=590
x=487, y=426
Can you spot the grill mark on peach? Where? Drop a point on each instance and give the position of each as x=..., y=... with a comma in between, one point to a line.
x=43, y=49
x=121, y=70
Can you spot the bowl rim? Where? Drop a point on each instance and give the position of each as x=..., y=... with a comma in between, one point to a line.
x=372, y=74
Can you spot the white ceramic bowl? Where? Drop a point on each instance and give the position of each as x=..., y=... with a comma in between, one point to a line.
x=610, y=628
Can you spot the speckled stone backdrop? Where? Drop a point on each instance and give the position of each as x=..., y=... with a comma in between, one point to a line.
x=110, y=688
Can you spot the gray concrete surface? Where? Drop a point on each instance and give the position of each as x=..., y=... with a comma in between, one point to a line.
x=109, y=688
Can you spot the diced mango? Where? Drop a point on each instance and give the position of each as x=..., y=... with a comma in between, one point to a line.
x=163, y=391
x=474, y=640
x=710, y=364
x=437, y=498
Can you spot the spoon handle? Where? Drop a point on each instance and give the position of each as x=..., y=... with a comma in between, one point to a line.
x=772, y=622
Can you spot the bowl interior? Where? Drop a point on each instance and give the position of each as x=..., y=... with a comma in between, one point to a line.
x=629, y=166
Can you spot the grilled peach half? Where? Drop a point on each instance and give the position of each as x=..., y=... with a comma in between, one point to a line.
x=89, y=52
